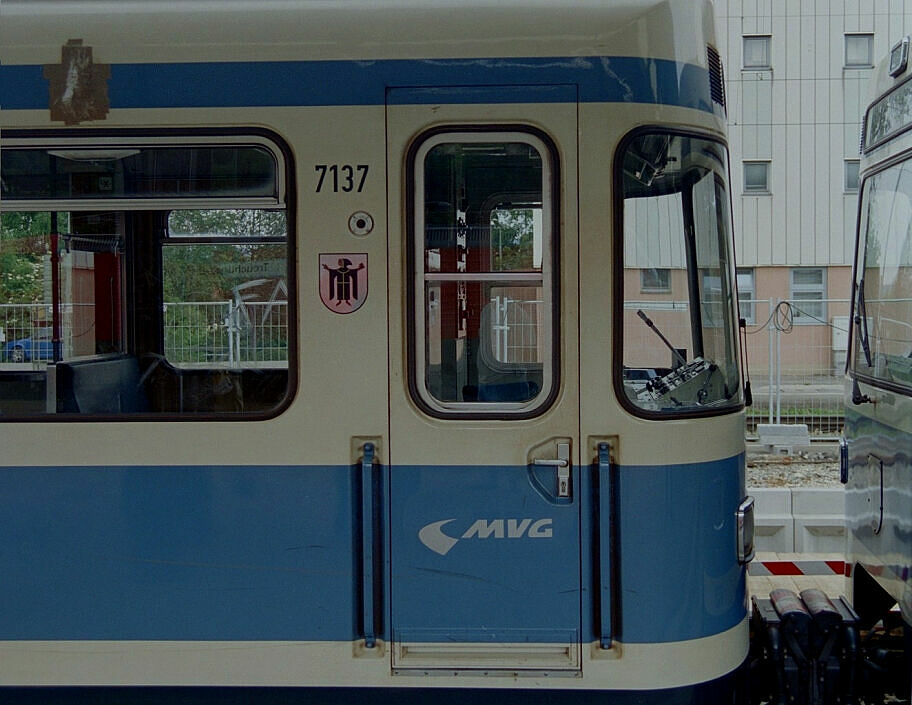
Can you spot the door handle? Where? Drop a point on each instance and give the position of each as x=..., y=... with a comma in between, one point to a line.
x=562, y=463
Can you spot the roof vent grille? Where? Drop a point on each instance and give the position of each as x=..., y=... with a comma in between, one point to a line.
x=716, y=76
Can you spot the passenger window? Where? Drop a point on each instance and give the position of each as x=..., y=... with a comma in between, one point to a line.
x=678, y=343
x=484, y=234
x=119, y=300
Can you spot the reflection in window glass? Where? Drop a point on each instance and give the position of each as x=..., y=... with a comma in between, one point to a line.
x=483, y=216
x=883, y=309
x=679, y=347
x=889, y=115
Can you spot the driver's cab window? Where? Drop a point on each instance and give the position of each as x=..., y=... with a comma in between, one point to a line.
x=678, y=340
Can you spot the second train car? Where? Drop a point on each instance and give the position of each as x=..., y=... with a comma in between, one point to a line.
x=370, y=348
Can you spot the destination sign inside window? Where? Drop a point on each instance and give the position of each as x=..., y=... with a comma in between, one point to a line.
x=889, y=115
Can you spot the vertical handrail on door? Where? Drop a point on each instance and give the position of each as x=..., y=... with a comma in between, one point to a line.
x=605, y=572
x=370, y=519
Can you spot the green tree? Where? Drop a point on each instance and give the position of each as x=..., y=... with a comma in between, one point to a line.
x=512, y=239
x=23, y=243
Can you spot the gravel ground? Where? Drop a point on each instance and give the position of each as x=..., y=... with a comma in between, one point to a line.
x=814, y=468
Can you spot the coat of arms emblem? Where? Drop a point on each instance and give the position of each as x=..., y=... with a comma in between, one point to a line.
x=343, y=282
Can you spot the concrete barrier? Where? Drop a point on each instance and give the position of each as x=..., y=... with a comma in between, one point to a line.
x=799, y=519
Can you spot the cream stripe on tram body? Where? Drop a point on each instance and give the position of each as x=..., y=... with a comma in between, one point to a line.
x=356, y=345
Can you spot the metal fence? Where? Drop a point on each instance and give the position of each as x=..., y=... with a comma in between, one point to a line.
x=797, y=352
x=210, y=334
x=796, y=349
x=515, y=328
x=226, y=332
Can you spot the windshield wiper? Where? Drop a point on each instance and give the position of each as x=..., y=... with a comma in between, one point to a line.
x=675, y=354
x=861, y=324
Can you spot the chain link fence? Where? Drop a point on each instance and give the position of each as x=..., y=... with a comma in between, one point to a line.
x=197, y=334
x=797, y=351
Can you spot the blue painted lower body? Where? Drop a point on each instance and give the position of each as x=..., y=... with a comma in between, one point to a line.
x=274, y=554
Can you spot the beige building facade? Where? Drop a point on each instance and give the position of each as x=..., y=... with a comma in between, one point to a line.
x=797, y=74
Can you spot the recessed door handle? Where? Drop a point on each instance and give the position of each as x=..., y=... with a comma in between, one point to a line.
x=562, y=463
x=552, y=462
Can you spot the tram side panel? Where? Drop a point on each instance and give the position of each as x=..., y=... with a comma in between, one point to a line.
x=165, y=528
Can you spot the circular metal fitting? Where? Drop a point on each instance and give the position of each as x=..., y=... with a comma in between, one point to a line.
x=360, y=223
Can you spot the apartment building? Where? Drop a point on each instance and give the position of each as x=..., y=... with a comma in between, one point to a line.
x=797, y=86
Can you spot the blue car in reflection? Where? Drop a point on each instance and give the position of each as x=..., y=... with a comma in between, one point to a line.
x=37, y=347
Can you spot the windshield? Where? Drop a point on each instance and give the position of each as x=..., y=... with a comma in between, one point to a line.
x=678, y=332
x=883, y=306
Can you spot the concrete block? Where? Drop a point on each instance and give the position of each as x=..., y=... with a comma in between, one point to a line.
x=819, y=514
x=784, y=437
x=774, y=526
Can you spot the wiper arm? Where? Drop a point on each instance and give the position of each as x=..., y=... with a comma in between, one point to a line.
x=648, y=321
x=861, y=324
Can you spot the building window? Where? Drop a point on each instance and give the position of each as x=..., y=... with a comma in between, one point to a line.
x=851, y=175
x=859, y=51
x=655, y=281
x=808, y=292
x=757, y=53
x=756, y=177
x=747, y=292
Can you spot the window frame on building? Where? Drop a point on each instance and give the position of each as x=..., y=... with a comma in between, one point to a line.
x=747, y=293
x=759, y=190
x=661, y=283
x=801, y=313
x=762, y=40
x=851, y=178
x=867, y=61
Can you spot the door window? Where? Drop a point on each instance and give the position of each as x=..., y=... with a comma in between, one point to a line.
x=483, y=273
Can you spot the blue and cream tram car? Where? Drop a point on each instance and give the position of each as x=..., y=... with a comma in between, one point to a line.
x=877, y=448
x=369, y=348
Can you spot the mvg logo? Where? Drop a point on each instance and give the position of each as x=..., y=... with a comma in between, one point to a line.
x=435, y=539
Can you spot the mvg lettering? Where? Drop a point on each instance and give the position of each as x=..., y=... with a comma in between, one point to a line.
x=433, y=536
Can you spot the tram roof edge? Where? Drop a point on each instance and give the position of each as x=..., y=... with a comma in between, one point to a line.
x=158, y=31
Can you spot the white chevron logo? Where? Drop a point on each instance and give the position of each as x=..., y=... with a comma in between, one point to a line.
x=432, y=535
